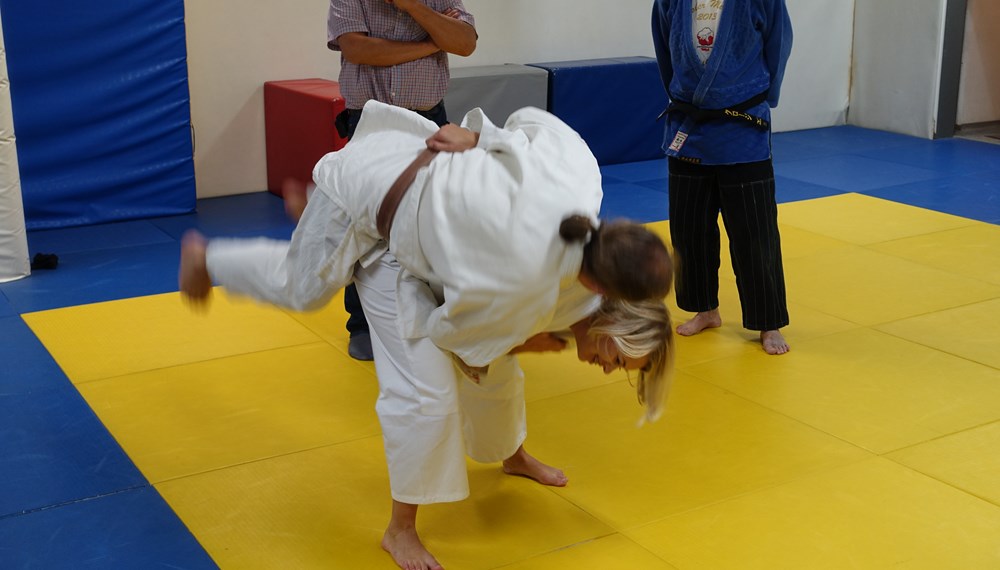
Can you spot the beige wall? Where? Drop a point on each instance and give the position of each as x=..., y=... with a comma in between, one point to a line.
x=979, y=89
x=235, y=46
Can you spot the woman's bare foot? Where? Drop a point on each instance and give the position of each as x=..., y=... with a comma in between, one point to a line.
x=405, y=547
x=192, y=276
x=701, y=321
x=774, y=342
x=294, y=193
x=527, y=466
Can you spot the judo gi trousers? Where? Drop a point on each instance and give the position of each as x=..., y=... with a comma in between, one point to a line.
x=432, y=416
x=744, y=194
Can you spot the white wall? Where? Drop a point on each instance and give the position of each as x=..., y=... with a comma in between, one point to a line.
x=534, y=31
x=816, y=89
x=235, y=46
x=897, y=65
x=979, y=87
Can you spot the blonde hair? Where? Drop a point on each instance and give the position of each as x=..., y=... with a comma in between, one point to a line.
x=640, y=329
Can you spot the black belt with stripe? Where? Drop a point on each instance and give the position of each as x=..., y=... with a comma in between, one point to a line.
x=737, y=112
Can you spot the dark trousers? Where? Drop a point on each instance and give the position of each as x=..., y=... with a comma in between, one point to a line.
x=744, y=194
x=356, y=322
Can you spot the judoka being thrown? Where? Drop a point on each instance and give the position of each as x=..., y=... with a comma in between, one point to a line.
x=492, y=250
x=498, y=231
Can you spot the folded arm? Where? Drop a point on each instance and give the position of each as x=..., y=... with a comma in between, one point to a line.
x=361, y=49
x=445, y=29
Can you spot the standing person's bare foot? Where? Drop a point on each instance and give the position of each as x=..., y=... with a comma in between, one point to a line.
x=405, y=547
x=527, y=466
x=192, y=277
x=701, y=321
x=774, y=342
x=294, y=193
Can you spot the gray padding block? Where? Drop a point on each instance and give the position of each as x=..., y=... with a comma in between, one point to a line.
x=498, y=89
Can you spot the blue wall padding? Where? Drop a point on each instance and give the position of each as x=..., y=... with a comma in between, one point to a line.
x=101, y=109
x=613, y=103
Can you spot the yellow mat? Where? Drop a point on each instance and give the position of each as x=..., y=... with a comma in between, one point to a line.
x=872, y=444
x=876, y=514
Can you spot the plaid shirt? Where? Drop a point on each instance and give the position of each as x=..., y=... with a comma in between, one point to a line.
x=418, y=84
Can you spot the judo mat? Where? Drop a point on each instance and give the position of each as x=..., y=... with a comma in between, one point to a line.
x=592, y=95
x=137, y=432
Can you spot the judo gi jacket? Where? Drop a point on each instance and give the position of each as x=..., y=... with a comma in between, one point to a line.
x=480, y=226
x=752, y=45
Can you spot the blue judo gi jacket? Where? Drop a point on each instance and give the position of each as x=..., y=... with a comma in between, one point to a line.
x=753, y=41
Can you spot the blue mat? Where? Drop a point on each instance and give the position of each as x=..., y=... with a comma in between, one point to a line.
x=613, y=103
x=100, y=106
x=645, y=171
x=259, y=213
x=95, y=276
x=846, y=139
x=54, y=450
x=36, y=370
x=93, y=238
x=951, y=157
x=634, y=202
x=852, y=173
x=131, y=529
x=966, y=196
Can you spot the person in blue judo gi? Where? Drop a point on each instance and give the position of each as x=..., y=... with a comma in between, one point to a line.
x=722, y=62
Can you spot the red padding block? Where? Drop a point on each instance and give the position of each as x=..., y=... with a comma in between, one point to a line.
x=299, y=127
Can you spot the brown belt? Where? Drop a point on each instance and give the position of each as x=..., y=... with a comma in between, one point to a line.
x=387, y=210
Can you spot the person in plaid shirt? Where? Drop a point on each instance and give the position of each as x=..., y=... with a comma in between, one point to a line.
x=395, y=52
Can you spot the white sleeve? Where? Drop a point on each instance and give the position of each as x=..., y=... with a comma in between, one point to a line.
x=491, y=137
x=479, y=331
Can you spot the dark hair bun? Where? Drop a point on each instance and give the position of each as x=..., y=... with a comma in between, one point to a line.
x=575, y=228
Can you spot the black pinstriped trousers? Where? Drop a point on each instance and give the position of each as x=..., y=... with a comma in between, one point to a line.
x=744, y=194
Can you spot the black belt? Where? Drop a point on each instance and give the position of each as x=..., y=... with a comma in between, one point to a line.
x=736, y=112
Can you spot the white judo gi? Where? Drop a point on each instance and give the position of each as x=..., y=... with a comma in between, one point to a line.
x=481, y=226
x=432, y=416
x=485, y=269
